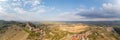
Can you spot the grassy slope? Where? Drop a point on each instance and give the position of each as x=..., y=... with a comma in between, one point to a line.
x=97, y=33
x=54, y=32
x=14, y=32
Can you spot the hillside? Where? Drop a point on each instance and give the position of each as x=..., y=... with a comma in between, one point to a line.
x=80, y=32
x=14, y=32
x=55, y=31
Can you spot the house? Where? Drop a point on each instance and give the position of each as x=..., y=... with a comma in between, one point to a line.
x=30, y=26
x=83, y=36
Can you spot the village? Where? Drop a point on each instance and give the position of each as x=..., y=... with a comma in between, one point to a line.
x=83, y=36
x=69, y=28
x=34, y=28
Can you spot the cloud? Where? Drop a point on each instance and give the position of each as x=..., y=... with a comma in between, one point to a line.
x=106, y=12
x=15, y=10
x=2, y=0
x=117, y=2
x=33, y=3
x=32, y=10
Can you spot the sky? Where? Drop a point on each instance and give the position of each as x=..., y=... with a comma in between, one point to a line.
x=59, y=10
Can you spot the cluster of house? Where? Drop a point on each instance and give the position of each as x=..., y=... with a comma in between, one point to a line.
x=32, y=27
x=109, y=29
x=35, y=29
x=83, y=36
